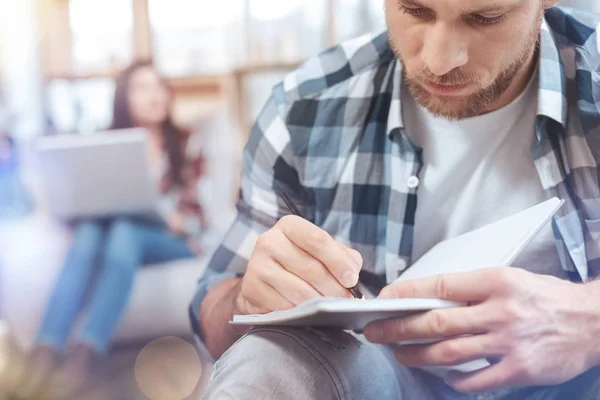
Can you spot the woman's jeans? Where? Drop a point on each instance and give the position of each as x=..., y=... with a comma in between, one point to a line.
x=119, y=247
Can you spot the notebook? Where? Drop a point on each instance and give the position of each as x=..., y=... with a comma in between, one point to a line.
x=496, y=244
x=349, y=314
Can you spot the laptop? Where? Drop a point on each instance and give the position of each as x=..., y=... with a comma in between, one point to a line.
x=103, y=174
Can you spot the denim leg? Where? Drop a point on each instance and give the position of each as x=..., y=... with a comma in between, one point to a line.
x=129, y=244
x=71, y=286
x=121, y=258
x=588, y=387
x=304, y=364
x=583, y=387
x=159, y=246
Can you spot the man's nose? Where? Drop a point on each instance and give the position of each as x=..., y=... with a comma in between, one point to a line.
x=444, y=50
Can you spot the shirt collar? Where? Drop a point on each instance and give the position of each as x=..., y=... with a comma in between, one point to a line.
x=552, y=99
x=395, y=120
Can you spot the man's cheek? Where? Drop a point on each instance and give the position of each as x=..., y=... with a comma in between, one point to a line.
x=413, y=46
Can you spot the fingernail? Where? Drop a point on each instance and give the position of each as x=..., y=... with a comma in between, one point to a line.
x=350, y=278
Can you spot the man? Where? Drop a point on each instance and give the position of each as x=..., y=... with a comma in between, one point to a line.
x=462, y=113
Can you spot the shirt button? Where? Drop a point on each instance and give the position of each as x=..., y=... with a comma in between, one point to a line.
x=401, y=265
x=412, y=182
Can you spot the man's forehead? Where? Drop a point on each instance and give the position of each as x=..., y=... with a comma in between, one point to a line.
x=466, y=5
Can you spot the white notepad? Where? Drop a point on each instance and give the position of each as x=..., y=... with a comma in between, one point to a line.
x=494, y=245
x=349, y=314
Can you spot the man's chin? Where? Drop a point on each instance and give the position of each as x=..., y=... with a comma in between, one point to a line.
x=452, y=114
x=448, y=107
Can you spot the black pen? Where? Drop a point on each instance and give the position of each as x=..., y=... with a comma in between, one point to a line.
x=294, y=210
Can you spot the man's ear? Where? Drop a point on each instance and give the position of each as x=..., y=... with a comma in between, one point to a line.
x=549, y=3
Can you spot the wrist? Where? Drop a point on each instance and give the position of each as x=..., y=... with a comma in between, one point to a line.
x=593, y=327
x=240, y=307
x=216, y=311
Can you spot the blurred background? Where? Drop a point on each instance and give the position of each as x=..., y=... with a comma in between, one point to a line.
x=59, y=56
x=58, y=62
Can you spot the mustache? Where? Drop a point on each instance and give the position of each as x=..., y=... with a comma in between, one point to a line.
x=455, y=77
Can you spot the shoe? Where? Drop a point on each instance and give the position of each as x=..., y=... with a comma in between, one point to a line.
x=71, y=379
x=12, y=362
x=34, y=379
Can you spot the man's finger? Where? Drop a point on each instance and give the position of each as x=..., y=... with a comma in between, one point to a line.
x=435, y=324
x=492, y=378
x=308, y=268
x=266, y=301
x=464, y=287
x=293, y=288
x=448, y=352
x=320, y=245
x=260, y=298
x=354, y=254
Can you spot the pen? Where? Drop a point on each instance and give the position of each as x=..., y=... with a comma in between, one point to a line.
x=294, y=210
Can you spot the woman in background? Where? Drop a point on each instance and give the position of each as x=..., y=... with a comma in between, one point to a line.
x=119, y=246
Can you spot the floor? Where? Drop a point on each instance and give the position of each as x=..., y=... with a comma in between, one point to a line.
x=163, y=370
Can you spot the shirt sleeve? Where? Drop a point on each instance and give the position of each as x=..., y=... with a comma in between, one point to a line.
x=268, y=168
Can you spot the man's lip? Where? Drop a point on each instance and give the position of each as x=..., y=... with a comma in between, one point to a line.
x=444, y=90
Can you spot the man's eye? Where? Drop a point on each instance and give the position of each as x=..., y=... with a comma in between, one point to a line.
x=487, y=20
x=415, y=12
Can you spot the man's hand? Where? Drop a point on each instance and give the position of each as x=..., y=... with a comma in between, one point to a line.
x=537, y=330
x=293, y=262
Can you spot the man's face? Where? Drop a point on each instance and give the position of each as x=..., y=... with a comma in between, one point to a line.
x=460, y=56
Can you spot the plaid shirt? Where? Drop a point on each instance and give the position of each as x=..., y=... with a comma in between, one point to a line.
x=333, y=138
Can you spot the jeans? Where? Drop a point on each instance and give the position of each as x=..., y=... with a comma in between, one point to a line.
x=304, y=363
x=119, y=247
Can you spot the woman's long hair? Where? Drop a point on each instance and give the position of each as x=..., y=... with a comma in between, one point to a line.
x=122, y=119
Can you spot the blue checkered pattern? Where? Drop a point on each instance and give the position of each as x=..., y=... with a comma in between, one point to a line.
x=332, y=137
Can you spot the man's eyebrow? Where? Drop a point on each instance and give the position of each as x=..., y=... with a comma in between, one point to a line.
x=412, y=3
x=495, y=7
x=499, y=6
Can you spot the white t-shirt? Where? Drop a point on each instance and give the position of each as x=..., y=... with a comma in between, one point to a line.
x=477, y=171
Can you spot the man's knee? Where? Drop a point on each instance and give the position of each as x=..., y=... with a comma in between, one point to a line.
x=590, y=385
x=273, y=363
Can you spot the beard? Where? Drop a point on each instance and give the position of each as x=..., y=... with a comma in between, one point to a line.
x=461, y=107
